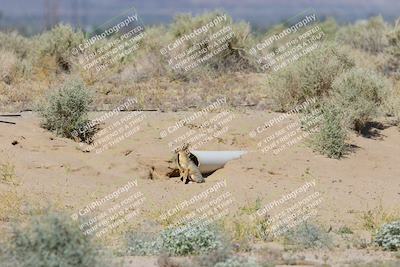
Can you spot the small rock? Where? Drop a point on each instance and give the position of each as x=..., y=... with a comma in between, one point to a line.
x=15, y=142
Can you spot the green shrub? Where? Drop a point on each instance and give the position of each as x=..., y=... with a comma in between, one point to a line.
x=392, y=66
x=388, y=236
x=330, y=140
x=358, y=94
x=142, y=244
x=59, y=42
x=308, y=235
x=310, y=76
x=50, y=241
x=194, y=241
x=368, y=35
x=65, y=111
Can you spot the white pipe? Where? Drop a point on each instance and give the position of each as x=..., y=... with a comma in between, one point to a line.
x=210, y=161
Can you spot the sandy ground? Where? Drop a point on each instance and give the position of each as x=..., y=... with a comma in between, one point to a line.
x=55, y=170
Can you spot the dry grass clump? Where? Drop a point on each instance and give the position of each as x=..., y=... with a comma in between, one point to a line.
x=10, y=205
x=7, y=172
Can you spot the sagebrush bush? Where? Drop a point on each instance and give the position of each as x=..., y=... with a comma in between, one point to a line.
x=330, y=138
x=52, y=240
x=142, y=244
x=370, y=36
x=308, y=235
x=65, y=111
x=8, y=66
x=388, y=236
x=310, y=76
x=194, y=241
x=392, y=66
x=59, y=42
x=13, y=41
x=358, y=94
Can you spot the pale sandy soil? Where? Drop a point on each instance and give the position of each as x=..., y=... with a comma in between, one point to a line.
x=55, y=170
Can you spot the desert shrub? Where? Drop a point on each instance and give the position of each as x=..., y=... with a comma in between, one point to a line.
x=58, y=42
x=392, y=66
x=142, y=244
x=308, y=235
x=196, y=240
x=310, y=76
x=388, y=236
x=330, y=139
x=193, y=241
x=11, y=202
x=65, y=111
x=368, y=35
x=8, y=66
x=52, y=240
x=358, y=94
x=14, y=42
